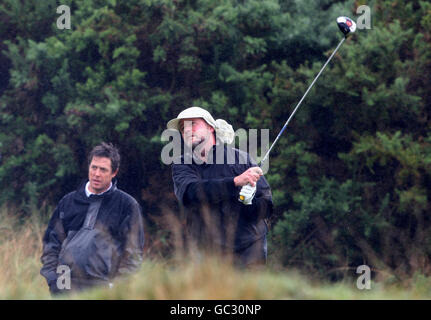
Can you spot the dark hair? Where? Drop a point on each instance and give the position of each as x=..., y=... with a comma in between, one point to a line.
x=106, y=150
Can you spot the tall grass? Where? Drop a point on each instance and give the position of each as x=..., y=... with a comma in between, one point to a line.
x=212, y=279
x=20, y=251
x=188, y=277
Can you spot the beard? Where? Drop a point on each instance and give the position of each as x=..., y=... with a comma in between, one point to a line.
x=196, y=143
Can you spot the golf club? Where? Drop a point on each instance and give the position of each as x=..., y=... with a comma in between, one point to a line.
x=346, y=26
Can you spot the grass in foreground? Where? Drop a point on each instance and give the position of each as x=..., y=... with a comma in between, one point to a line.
x=210, y=278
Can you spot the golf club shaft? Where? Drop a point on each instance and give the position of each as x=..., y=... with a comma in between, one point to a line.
x=299, y=103
x=241, y=198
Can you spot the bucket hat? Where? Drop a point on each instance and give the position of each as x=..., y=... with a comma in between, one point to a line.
x=224, y=131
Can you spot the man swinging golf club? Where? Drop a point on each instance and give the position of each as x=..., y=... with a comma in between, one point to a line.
x=210, y=191
x=210, y=184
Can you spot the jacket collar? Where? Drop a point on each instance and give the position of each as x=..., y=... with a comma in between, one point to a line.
x=82, y=196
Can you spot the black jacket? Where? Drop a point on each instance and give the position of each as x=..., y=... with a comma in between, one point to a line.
x=97, y=237
x=210, y=198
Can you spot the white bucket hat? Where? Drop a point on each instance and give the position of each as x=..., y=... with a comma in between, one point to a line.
x=224, y=131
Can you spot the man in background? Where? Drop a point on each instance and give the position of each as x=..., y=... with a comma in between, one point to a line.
x=95, y=232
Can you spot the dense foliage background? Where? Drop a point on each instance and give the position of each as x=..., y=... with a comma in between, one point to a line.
x=351, y=177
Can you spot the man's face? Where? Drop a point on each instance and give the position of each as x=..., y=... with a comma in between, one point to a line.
x=195, y=131
x=100, y=174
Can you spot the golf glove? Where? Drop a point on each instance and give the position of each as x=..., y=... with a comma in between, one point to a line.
x=247, y=192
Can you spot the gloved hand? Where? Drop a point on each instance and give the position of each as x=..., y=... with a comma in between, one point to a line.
x=247, y=192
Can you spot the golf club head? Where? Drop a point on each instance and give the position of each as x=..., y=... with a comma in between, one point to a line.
x=346, y=25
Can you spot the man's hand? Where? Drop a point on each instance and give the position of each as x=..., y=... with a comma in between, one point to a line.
x=250, y=176
x=247, y=194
